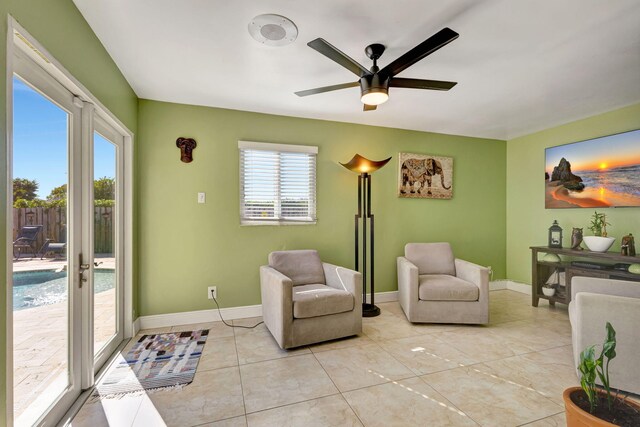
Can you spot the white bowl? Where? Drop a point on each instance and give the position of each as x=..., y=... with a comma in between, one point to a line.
x=549, y=291
x=598, y=244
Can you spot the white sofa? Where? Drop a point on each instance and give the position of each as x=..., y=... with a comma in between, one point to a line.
x=594, y=302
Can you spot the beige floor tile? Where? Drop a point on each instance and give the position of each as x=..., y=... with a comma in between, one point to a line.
x=548, y=372
x=538, y=334
x=212, y=396
x=409, y=402
x=218, y=353
x=425, y=354
x=341, y=343
x=257, y=345
x=216, y=329
x=388, y=326
x=361, y=366
x=108, y=412
x=489, y=399
x=483, y=344
x=284, y=381
x=229, y=422
x=152, y=331
x=558, y=420
x=323, y=412
x=149, y=415
x=392, y=307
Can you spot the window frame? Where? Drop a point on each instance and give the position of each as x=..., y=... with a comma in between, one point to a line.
x=312, y=151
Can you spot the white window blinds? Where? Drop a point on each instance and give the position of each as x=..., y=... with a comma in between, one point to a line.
x=277, y=183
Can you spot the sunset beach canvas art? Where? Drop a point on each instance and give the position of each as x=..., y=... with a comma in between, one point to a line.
x=596, y=173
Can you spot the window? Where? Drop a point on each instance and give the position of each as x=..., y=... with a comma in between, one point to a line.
x=277, y=183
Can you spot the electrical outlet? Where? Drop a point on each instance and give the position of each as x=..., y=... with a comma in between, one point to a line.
x=202, y=198
x=212, y=292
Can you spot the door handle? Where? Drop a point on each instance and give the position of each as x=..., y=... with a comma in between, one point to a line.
x=83, y=267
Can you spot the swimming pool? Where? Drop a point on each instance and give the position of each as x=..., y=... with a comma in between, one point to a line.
x=36, y=288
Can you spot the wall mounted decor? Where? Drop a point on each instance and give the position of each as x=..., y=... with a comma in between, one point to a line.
x=186, y=146
x=424, y=176
x=595, y=173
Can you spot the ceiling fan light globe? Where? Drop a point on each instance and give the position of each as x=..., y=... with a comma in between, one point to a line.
x=374, y=98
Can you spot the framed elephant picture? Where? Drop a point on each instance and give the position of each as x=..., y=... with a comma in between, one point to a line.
x=422, y=176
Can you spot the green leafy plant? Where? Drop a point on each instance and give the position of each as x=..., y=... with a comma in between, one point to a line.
x=592, y=368
x=599, y=224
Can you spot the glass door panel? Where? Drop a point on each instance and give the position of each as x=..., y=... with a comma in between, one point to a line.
x=106, y=293
x=43, y=292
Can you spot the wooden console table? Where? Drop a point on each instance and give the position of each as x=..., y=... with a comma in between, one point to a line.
x=542, y=270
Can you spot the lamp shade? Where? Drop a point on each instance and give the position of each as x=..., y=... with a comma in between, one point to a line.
x=359, y=164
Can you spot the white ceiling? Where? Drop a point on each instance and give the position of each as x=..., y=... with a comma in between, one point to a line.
x=521, y=66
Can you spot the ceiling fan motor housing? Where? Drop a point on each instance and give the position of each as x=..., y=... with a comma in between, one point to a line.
x=373, y=83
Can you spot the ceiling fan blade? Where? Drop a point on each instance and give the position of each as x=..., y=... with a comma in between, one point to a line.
x=368, y=107
x=427, y=47
x=331, y=52
x=421, y=84
x=326, y=89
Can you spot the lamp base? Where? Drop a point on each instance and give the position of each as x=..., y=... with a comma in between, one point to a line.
x=370, y=310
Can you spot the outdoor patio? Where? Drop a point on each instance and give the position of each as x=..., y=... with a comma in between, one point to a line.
x=40, y=337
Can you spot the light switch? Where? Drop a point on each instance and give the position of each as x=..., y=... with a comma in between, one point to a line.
x=201, y=198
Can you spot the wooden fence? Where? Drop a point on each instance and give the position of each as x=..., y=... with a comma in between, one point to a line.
x=54, y=221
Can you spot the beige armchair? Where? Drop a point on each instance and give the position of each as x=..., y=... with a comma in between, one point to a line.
x=306, y=301
x=435, y=287
x=594, y=302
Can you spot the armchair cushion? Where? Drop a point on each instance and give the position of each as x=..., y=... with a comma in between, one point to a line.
x=320, y=300
x=431, y=258
x=442, y=287
x=302, y=267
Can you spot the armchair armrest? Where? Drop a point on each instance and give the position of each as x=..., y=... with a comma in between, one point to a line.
x=621, y=288
x=277, y=303
x=474, y=273
x=344, y=279
x=407, y=284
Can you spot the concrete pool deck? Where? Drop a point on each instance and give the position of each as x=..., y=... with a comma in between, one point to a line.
x=34, y=264
x=40, y=338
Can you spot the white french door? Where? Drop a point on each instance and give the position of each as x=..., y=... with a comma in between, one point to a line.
x=68, y=295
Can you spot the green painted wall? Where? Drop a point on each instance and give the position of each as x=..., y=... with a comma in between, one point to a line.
x=60, y=27
x=527, y=219
x=185, y=247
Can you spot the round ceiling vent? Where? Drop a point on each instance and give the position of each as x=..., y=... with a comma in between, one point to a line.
x=273, y=30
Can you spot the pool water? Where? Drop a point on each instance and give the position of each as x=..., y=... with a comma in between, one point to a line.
x=36, y=288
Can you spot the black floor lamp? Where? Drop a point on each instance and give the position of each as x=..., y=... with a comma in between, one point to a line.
x=365, y=167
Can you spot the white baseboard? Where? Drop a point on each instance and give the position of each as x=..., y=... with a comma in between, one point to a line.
x=231, y=313
x=200, y=316
x=136, y=326
x=510, y=285
x=384, y=296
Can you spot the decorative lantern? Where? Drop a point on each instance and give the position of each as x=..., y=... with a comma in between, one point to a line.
x=555, y=235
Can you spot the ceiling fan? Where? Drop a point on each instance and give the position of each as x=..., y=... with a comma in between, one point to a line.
x=375, y=83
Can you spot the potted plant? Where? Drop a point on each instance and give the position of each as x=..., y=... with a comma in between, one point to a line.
x=589, y=405
x=599, y=242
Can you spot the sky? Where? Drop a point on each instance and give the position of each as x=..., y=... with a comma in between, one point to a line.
x=612, y=151
x=40, y=141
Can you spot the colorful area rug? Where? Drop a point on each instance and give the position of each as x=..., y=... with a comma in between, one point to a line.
x=156, y=361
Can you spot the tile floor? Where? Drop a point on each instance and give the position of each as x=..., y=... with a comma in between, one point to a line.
x=509, y=373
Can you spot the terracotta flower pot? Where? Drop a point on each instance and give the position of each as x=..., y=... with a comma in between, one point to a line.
x=576, y=417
